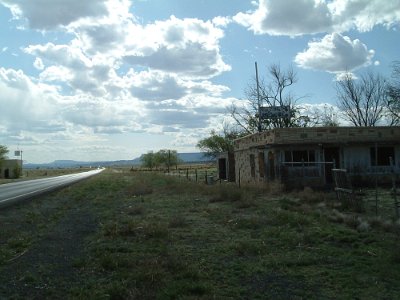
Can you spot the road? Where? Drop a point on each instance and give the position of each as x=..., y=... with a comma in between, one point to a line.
x=11, y=193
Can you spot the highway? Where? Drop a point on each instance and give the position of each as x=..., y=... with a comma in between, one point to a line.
x=11, y=193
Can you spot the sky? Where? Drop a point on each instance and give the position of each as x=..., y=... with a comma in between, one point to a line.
x=101, y=80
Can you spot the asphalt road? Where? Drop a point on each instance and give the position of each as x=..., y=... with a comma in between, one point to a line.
x=11, y=193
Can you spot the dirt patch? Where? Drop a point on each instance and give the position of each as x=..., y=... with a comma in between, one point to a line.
x=50, y=263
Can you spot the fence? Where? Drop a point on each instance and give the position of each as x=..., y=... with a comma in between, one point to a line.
x=298, y=174
x=197, y=173
x=380, y=198
x=204, y=174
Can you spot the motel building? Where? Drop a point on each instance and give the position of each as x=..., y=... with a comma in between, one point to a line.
x=306, y=156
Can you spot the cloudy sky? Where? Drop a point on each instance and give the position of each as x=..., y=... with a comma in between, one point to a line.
x=112, y=79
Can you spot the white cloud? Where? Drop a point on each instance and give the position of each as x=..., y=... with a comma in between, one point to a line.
x=222, y=21
x=335, y=53
x=38, y=64
x=189, y=47
x=100, y=114
x=26, y=105
x=286, y=17
x=364, y=15
x=86, y=93
x=47, y=15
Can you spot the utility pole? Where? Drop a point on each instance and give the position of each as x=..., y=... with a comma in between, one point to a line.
x=169, y=159
x=258, y=99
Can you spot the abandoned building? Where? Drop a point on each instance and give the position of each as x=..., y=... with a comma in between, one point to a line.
x=10, y=168
x=306, y=156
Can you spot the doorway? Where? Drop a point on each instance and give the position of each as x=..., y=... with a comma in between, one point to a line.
x=222, y=168
x=331, y=155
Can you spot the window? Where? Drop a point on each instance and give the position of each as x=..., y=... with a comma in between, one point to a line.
x=300, y=156
x=383, y=156
x=253, y=165
x=297, y=157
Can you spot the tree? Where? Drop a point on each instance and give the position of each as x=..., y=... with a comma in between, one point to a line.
x=3, y=152
x=393, y=92
x=275, y=93
x=148, y=160
x=325, y=117
x=166, y=158
x=217, y=143
x=363, y=100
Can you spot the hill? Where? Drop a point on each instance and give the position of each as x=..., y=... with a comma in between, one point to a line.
x=193, y=158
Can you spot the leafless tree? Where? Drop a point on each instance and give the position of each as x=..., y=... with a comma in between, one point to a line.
x=274, y=93
x=362, y=100
x=393, y=92
x=325, y=117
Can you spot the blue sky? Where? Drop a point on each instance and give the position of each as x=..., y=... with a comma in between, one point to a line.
x=112, y=79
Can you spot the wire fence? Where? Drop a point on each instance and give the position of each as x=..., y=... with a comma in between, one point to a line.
x=380, y=197
x=197, y=173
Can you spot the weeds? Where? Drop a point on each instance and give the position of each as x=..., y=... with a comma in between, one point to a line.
x=226, y=193
x=159, y=237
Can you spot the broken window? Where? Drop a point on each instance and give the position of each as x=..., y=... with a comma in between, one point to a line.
x=298, y=157
x=382, y=157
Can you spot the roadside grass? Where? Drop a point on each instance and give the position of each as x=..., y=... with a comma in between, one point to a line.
x=160, y=237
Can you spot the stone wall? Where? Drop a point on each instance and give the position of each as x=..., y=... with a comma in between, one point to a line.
x=326, y=135
x=243, y=166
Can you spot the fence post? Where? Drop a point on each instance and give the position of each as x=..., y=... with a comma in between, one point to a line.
x=205, y=177
x=196, y=174
x=187, y=174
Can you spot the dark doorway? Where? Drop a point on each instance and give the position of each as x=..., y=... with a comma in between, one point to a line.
x=6, y=173
x=331, y=155
x=222, y=168
x=271, y=165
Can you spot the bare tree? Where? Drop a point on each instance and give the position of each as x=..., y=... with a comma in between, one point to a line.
x=325, y=117
x=275, y=93
x=363, y=100
x=393, y=93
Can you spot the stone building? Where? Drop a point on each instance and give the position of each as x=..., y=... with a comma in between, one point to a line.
x=10, y=168
x=306, y=156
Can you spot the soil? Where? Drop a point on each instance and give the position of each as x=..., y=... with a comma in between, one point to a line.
x=50, y=264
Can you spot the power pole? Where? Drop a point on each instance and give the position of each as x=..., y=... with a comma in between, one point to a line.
x=258, y=99
x=169, y=159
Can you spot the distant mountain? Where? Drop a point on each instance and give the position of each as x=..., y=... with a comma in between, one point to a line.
x=185, y=157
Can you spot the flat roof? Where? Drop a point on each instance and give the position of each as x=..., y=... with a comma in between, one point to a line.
x=320, y=135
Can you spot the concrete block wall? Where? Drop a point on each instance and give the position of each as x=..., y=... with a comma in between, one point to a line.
x=242, y=161
x=319, y=135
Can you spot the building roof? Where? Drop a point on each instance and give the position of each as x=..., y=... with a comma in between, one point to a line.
x=320, y=135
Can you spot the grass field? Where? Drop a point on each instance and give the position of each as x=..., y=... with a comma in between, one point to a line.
x=133, y=235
